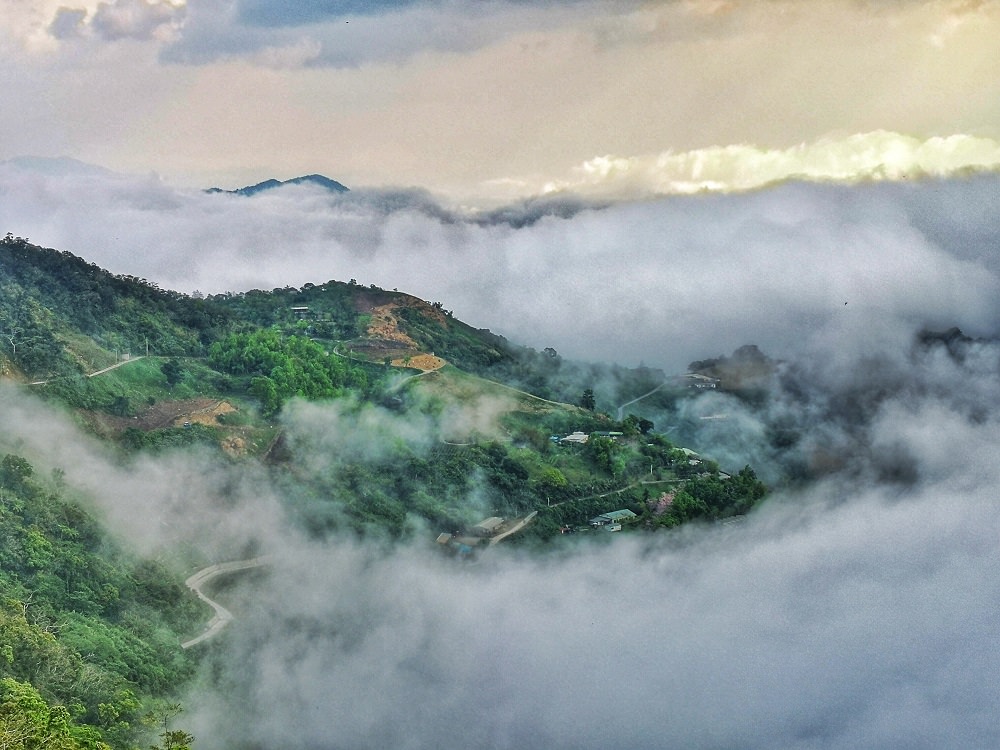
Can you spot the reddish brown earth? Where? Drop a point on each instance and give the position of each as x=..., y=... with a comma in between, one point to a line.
x=163, y=414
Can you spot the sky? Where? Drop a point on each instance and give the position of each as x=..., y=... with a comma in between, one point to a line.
x=492, y=101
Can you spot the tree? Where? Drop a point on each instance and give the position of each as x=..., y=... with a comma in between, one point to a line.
x=551, y=481
x=630, y=425
x=14, y=470
x=606, y=454
x=587, y=400
x=174, y=739
x=120, y=406
x=172, y=371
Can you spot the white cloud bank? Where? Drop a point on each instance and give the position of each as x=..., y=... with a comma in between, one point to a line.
x=879, y=155
x=663, y=281
x=859, y=612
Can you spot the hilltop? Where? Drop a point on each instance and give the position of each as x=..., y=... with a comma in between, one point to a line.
x=310, y=179
x=153, y=369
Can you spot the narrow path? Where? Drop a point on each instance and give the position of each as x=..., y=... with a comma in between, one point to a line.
x=116, y=364
x=620, y=490
x=529, y=395
x=92, y=374
x=222, y=615
x=515, y=528
x=621, y=409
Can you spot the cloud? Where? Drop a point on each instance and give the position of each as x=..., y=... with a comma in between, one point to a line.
x=141, y=20
x=151, y=504
x=134, y=19
x=848, y=614
x=662, y=281
x=351, y=33
x=270, y=13
x=68, y=22
x=878, y=155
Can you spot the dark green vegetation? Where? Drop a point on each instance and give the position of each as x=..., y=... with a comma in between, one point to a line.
x=89, y=635
x=60, y=315
x=312, y=179
x=281, y=367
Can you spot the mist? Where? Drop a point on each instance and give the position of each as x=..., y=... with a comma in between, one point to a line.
x=854, y=611
x=854, y=608
x=792, y=268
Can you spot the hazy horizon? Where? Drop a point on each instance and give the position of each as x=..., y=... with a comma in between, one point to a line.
x=492, y=101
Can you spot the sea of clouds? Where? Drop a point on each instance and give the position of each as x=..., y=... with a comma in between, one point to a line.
x=856, y=609
x=663, y=280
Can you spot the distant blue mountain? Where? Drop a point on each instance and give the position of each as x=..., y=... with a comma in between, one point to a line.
x=315, y=179
x=59, y=166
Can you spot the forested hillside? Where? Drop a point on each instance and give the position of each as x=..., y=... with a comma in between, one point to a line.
x=89, y=634
x=368, y=412
x=60, y=315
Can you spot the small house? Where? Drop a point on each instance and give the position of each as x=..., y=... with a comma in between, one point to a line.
x=614, y=517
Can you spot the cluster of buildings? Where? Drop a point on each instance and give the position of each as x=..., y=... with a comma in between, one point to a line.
x=611, y=521
x=698, y=381
x=462, y=545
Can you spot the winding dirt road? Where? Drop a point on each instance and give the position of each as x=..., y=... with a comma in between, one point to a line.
x=222, y=615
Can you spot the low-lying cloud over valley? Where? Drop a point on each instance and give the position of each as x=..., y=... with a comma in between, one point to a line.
x=663, y=280
x=853, y=610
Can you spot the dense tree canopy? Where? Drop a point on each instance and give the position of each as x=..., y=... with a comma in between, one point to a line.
x=280, y=367
x=66, y=591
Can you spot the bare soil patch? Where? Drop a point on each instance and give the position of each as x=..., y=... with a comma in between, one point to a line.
x=425, y=362
x=234, y=446
x=206, y=415
x=385, y=325
x=162, y=414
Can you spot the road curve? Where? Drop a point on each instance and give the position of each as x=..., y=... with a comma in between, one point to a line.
x=222, y=615
x=621, y=409
x=515, y=528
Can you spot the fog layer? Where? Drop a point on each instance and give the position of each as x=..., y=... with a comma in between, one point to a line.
x=855, y=611
x=663, y=281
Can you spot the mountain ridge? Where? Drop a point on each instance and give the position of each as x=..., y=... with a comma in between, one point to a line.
x=311, y=179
